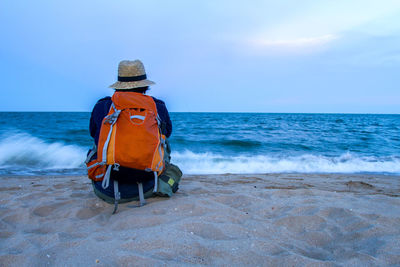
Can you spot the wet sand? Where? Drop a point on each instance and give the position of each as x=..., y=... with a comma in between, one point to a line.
x=215, y=220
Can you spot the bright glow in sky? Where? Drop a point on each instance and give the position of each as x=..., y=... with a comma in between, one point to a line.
x=259, y=56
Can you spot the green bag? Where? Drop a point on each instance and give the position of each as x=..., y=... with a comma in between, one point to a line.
x=168, y=181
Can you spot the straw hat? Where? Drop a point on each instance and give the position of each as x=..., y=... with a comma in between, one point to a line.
x=131, y=74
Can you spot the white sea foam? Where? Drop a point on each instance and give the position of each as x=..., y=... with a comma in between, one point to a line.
x=209, y=163
x=24, y=153
x=27, y=152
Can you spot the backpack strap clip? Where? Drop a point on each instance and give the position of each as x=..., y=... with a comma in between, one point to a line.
x=112, y=118
x=116, y=167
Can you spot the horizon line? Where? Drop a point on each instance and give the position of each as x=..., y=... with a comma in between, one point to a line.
x=258, y=112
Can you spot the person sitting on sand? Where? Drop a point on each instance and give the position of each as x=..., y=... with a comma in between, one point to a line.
x=132, y=84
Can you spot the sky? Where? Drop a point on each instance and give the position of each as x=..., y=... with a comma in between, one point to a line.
x=319, y=56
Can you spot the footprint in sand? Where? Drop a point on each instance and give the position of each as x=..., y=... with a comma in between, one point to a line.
x=13, y=218
x=89, y=212
x=57, y=207
x=5, y=234
x=44, y=211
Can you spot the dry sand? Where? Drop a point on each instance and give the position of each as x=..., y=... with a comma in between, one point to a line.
x=223, y=220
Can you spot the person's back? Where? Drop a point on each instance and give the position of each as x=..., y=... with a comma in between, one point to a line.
x=130, y=132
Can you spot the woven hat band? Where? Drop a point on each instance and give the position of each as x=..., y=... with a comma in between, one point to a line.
x=132, y=78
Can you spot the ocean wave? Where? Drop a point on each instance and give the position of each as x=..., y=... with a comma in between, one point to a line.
x=24, y=154
x=23, y=151
x=209, y=163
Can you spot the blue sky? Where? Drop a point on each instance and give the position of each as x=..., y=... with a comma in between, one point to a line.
x=235, y=56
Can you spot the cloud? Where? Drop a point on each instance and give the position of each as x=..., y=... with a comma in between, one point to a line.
x=317, y=26
x=303, y=42
x=288, y=46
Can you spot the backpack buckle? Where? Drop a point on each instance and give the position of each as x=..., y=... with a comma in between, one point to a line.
x=116, y=167
x=112, y=118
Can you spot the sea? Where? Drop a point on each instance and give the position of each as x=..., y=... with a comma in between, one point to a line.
x=56, y=143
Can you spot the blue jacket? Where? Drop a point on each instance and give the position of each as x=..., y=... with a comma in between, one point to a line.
x=102, y=108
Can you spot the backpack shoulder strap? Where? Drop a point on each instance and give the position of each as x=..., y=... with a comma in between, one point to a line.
x=110, y=119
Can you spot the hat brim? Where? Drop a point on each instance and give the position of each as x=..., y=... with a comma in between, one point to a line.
x=131, y=85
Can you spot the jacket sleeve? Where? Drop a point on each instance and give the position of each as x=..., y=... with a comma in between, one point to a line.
x=164, y=117
x=100, y=110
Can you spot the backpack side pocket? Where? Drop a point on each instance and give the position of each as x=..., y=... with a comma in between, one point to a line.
x=168, y=181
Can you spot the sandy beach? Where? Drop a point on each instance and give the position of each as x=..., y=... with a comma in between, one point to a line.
x=215, y=220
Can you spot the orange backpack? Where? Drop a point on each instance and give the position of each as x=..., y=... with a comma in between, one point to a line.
x=130, y=136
